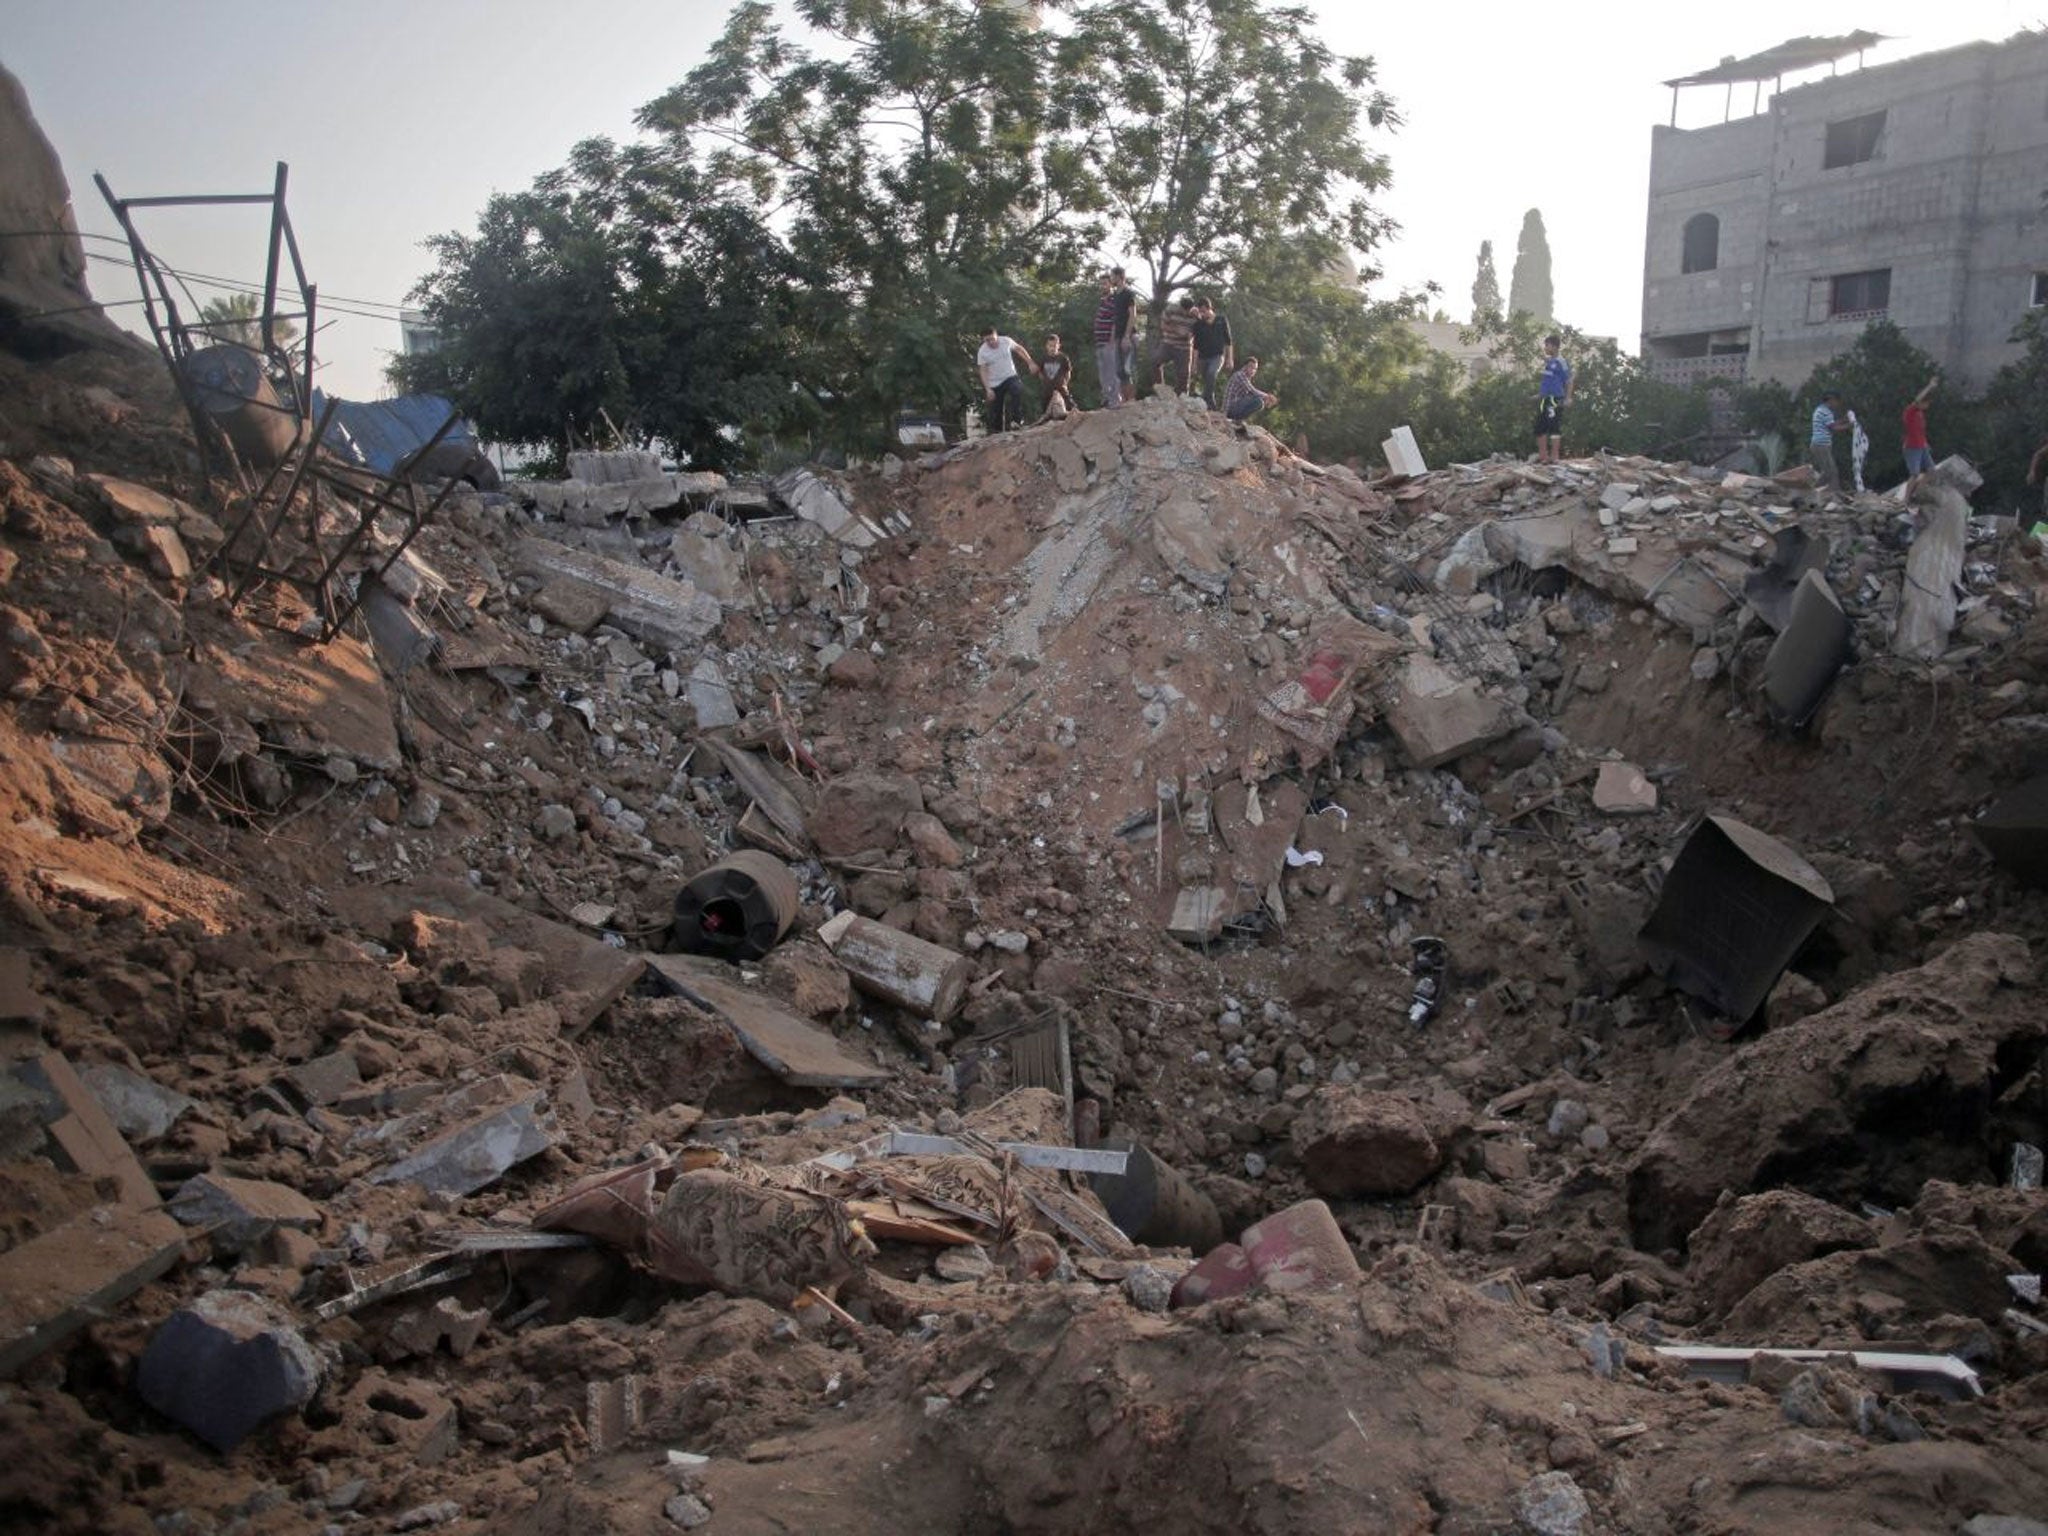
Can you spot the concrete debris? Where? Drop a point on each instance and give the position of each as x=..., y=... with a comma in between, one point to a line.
x=1439, y=717
x=479, y=1152
x=142, y=1109
x=1109, y=784
x=75, y=1274
x=1551, y=1504
x=665, y=613
x=238, y=1214
x=226, y=1365
x=1621, y=790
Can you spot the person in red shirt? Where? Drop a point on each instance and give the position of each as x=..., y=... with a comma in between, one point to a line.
x=1919, y=457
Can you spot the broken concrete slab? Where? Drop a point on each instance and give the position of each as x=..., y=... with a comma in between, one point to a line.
x=1189, y=544
x=813, y=500
x=1927, y=605
x=478, y=1153
x=1439, y=717
x=670, y=614
x=1621, y=790
x=142, y=1109
x=611, y=466
x=799, y=1053
x=702, y=549
x=1198, y=913
x=710, y=695
x=241, y=1213
x=225, y=1366
x=310, y=701
x=71, y=1276
x=576, y=605
x=325, y=1079
x=84, y=1138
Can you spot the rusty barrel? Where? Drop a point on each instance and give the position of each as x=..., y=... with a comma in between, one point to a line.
x=738, y=909
x=1153, y=1203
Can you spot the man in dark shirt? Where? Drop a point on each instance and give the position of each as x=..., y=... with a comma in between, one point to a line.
x=1126, y=332
x=1057, y=369
x=1213, y=346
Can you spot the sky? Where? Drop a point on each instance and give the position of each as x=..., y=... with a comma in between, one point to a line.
x=400, y=118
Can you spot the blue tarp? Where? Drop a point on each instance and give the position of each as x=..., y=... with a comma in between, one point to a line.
x=378, y=433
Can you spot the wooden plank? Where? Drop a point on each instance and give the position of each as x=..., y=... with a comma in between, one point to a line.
x=754, y=775
x=56, y=1284
x=585, y=975
x=796, y=1051
x=85, y=1137
x=892, y=1224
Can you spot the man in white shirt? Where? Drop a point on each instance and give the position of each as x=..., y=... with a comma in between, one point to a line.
x=998, y=360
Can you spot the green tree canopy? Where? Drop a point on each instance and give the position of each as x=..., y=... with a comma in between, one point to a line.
x=619, y=287
x=1216, y=128
x=1485, y=286
x=237, y=318
x=1529, y=291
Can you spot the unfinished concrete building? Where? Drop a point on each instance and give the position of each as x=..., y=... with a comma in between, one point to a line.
x=1915, y=191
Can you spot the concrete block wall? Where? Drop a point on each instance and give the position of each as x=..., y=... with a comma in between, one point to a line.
x=1952, y=205
x=1724, y=171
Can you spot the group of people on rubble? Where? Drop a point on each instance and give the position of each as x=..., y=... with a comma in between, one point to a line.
x=1194, y=342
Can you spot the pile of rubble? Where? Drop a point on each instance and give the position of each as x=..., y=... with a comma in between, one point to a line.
x=1108, y=953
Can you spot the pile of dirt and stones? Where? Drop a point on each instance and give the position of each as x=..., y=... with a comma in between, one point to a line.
x=1211, y=993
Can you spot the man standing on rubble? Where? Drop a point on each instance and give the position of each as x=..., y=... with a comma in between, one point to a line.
x=1244, y=399
x=1174, y=369
x=998, y=361
x=1103, y=334
x=1820, y=448
x=1126, y=333
x=1213, y=346
x=1919, y=457
x=1553, y=394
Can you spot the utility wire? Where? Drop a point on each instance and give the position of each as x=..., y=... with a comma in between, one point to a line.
x=202, y=278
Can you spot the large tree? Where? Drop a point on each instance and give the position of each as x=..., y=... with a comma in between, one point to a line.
x=908, y=162
x=1529, y=288
x=620, y=288
x=1486, y=286
x=1218, y=126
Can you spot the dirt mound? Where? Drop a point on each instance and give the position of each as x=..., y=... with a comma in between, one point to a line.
x=1893, y=1086
x=1268, y=813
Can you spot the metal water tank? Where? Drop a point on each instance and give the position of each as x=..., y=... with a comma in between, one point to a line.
x=234, y=390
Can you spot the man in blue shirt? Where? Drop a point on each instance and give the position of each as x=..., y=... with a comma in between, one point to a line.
x=1820, y=450
x=1553, y=394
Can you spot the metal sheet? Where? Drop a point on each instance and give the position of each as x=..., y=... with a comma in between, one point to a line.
x=1073, y=1159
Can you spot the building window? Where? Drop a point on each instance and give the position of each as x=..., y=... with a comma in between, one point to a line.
x=1702, y=242
x=1860, y=293
x=1852, y=141
x=2040, y=290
